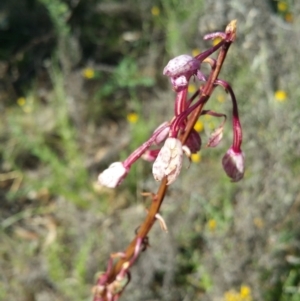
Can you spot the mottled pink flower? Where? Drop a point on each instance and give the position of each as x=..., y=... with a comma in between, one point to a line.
x=180, y=69
x=113, y=175
x=233, y=164
x=181, y=65
x=169, y=161
x=179, y=83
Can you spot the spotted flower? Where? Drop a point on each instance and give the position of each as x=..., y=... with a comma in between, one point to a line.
x=113, y=175
x=169, y=161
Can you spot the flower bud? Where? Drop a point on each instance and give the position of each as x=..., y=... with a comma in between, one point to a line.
x=180, y=69
x=179, y=83
x=181, y=65
x=193, y=141
x=233, y=164
x=169, y=161
x=113, y=175
x=161, y=132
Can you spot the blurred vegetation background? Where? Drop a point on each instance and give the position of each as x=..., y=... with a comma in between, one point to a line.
x=81, y=86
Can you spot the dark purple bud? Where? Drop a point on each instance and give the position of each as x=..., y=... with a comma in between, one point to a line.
x=193, y=141
x=233, y=164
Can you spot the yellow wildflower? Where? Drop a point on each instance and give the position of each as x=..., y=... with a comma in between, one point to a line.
x=216, y=41
x=211, y=125
x=207, y=117
x=27, y=109
x=132, y=117
x=231, y=296
x=280, y=95
x=243, y=295
x=289, y=18
x=199, y=126
x=220, y=97
x=212, y=224
x=21, y=101
x=282, y=6
x=258, y=222
x=195, y=51
x=192, y=88
x=196, y=158
x=245, y=292
x=89, y=73
x=155, y=11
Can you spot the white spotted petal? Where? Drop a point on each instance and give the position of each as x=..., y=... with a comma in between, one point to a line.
x=180, y=69
x=179, y=82
x=169, y=161
x=113, y=175
x=180, y=65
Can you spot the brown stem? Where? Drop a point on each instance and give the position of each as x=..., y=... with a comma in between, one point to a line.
x=159, y=197
x=143, y=229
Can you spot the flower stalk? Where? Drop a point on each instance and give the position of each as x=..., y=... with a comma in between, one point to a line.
x=178, y=135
